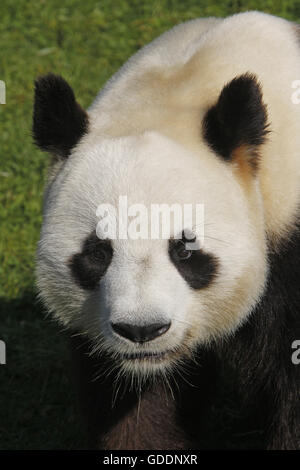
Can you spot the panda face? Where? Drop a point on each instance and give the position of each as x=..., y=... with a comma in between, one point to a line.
x=149, y=302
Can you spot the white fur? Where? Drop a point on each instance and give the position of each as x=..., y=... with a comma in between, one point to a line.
x=145, y=142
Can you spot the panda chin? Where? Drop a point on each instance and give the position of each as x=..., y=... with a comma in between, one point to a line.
x=152, y=357
x=146, y=366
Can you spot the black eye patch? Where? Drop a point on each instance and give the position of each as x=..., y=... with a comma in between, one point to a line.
x=197, y=268
x=90, y=265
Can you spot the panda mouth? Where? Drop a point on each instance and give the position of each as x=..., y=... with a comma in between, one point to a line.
x=148, y=356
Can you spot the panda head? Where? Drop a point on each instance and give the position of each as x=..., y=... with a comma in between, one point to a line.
x=148, y=302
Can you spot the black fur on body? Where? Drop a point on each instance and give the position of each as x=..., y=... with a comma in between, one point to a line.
x=258, y=355
x=261, y=351
x=157, y=415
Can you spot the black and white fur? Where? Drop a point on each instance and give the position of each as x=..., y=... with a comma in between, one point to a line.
x=196, y=116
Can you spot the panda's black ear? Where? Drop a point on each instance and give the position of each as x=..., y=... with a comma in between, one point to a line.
x=58, y=120
x=237, y=124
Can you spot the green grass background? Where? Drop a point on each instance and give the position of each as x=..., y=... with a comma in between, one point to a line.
x=85, y=41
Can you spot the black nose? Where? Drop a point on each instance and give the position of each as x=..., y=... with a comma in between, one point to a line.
x=140, y=334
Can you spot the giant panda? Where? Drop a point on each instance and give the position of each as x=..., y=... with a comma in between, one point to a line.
x=203, y=114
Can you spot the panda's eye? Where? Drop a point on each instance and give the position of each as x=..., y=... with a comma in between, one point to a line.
x=181, y=252
x=195, y=266
x=97, y=250
x=90, y=265
x=100, y=252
